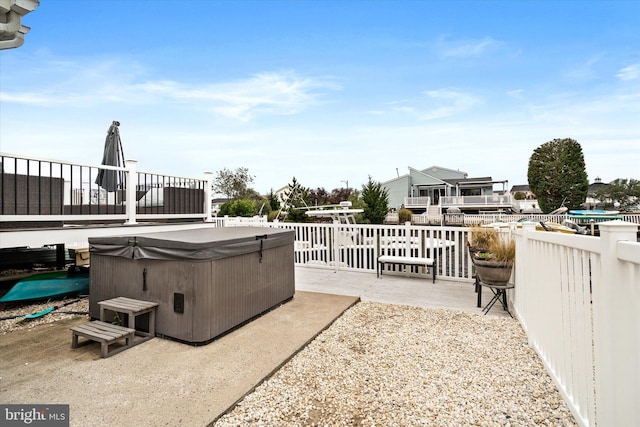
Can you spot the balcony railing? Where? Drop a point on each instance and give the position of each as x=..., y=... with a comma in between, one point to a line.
x=34, y=189
x=417, y=202
x=490, y=202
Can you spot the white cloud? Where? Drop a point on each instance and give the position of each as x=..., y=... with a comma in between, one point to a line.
x=451, y=102
x=278, y=93
x=516, y=93
x=435, y=104
x=632, y=72
x=465, y=48
x=583, y=72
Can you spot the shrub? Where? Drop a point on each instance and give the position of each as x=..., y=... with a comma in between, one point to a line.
x=238, y=208
x=225, y=209
x=272, y=215
x=404, y=215
x=520, y=195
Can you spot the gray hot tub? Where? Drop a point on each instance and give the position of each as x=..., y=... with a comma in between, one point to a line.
x=206, y=281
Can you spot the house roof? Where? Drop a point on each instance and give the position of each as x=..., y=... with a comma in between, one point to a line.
x=435, y=168
x=429, y=174
x=523, y=188
x=476, y=180
x=596, y=186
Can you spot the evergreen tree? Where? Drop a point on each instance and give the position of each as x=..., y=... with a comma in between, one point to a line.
x=296, y=197
x=376, y=201
x=557, y=175
x=273, y=201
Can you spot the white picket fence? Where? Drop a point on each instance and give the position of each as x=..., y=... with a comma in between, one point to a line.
x=356, y=246
x=578, y=299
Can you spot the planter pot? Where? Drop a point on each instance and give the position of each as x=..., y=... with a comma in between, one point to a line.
x=493, y=272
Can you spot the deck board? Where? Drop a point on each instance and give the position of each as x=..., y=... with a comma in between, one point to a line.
x=395, y=288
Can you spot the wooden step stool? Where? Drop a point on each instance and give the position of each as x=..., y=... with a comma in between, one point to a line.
x=104, y=333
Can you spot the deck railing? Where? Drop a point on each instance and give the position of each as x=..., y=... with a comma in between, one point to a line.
x=417, y=202
x=488, y=201
x=578, y=299
x=470, y=220
x=356, y=247
x=37, y=190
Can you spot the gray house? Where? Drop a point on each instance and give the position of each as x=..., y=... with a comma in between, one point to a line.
x=436, y=189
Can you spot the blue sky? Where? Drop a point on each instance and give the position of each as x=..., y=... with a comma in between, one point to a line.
x=327, y=91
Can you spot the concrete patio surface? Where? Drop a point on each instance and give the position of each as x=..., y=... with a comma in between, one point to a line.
x=158, y=382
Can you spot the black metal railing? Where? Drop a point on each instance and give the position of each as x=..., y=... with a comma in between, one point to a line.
x=32, y=188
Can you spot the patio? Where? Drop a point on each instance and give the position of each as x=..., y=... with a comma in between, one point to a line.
x=396, y=288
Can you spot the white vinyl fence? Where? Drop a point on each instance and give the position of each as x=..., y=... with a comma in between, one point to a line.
x=578, y=299
x=357, y=246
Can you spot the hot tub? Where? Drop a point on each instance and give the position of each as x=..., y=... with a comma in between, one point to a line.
x=206, y=281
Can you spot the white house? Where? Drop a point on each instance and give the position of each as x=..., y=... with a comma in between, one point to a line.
x=420, y=190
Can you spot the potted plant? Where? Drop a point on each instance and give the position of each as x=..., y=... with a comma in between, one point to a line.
x=493, y=255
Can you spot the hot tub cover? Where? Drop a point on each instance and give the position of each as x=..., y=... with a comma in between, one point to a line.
x=196, y=244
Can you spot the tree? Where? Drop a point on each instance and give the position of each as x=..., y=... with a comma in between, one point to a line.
x=296, y=197
x=242, y=207
x=557, y=174
x=339, y=195
x=376, y=201
x=274, y=203
x=319, y=197
x=622, y=194
x=233, y=184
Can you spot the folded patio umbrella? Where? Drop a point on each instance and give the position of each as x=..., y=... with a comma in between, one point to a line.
x=112, y=180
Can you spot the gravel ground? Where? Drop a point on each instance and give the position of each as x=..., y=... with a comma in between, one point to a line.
x=68, y=308
x=395, y=365
x=383, y=364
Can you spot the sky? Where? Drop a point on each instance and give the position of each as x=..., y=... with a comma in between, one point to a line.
x=328, y=92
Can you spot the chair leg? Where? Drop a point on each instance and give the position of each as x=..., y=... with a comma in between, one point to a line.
x=496, y=297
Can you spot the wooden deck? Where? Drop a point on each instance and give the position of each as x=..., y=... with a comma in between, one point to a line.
x=394, y=288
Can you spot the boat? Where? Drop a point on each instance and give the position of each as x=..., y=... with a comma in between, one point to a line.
x=596, y=215
x=56, y=284
x=567, y=226
x=556, y=227
x=593, y=212
x=341, y=213
x=29, y=258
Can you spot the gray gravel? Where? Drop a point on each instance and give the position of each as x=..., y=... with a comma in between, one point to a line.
x=396, y=365
x=68, y=308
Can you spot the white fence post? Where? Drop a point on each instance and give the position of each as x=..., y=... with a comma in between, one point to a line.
x=616, y=332
x=336, y=244
x=132, y=179
x=208, y=177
